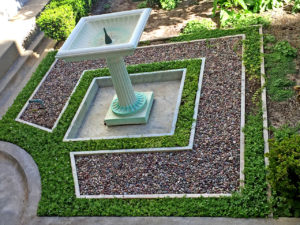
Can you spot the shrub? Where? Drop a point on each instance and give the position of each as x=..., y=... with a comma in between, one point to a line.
x=165, y=4
x=284, y=131
x=142, y=5
x=80, y=7
x=168, y=4
x=57, y=19
x=284, y=171
x=153, y=3
x=243, y=18
x=253, y=6
x=296, y=7
x=285, y=49
x=58, y=22
x=198, y=25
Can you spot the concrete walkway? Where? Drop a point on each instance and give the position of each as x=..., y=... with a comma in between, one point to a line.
x=20, y=191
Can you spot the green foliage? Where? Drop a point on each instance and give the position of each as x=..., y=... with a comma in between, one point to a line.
x=152, y=3
x=52, y=155
x=296, y=6
x=164, y=4
x=278, y=64
x=241, y=19
x=251, y=5
x=142, y=5
x=106, y=6
x=284, y=132
x=284, y=48
x=60, y=17
x=284, y=173
x=198, y=26
x=57, y=23
x=168, y=4
x=269, y=39
x=80, y=7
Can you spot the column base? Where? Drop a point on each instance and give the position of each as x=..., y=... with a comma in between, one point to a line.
x=139, y=104
x=141, y=117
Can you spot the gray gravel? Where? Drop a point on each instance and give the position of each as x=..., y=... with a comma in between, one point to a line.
x=213, y=165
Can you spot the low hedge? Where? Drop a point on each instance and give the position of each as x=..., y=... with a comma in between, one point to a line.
x=284, y=174
x=53, y=160
x=164, y=4
x=60, y=17
x=58, y=22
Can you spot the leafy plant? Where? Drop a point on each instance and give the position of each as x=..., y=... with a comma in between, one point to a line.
x=164, y=4
x=57, y=20
x=198, y=26
x=279, y=63
x=251, y=5
x=79, y=7
x=284, y=171
x=142, y=5
x=296, y=6
x=153, y=3
x=106, y=6
x=240, y=19
x=168, y=4
x=284, y=48
x=57, y=23
x=284, y=132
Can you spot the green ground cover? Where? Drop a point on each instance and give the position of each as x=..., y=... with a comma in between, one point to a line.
x=52, y=155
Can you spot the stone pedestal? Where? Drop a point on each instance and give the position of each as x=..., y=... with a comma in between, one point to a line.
x=128, y=106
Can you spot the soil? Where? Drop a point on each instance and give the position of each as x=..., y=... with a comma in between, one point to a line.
x=285, y=26
x=214, y=163
x=164, y=24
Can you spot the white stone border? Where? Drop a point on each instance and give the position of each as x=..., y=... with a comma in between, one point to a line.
x=35, y=91
x=189, y=147
x=31, y=96
x=181, y=42
x=243, y=107
x=176, y=110
x=264, y=108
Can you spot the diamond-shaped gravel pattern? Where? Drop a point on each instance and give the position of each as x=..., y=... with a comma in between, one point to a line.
x=213, y=164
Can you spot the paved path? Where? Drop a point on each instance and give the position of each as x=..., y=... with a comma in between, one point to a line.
x=12, y=191
x=20, y=191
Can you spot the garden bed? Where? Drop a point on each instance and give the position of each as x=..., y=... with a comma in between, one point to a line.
x=52, y=154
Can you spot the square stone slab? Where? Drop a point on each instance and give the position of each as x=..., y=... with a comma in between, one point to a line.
x=111, y=119
x=166, y=86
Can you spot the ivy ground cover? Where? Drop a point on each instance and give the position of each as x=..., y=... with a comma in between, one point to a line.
x=52, y=155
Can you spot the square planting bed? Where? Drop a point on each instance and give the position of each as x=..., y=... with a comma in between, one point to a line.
x=167, y=87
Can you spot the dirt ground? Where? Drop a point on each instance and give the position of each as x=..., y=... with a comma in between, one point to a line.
x=164, y=24
x=285, y=26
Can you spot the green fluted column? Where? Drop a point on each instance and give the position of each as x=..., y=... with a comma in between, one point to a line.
x=127, y=102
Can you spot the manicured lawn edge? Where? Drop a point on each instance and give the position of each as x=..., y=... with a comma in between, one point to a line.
x=52, y=155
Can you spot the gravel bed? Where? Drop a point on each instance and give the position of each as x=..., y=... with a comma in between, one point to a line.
x=61, y=80
x=213, y=164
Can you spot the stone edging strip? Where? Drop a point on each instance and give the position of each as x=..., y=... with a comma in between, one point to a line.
x=83, y=102
x=32, y=95
x=264, y=109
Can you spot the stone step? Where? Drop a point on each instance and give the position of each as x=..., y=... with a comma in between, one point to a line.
x=9, y=53
x=20, y=72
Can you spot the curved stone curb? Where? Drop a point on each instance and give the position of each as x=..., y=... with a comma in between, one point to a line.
x=31, y=176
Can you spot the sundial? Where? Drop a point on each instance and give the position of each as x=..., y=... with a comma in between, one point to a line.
x=113, y=36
